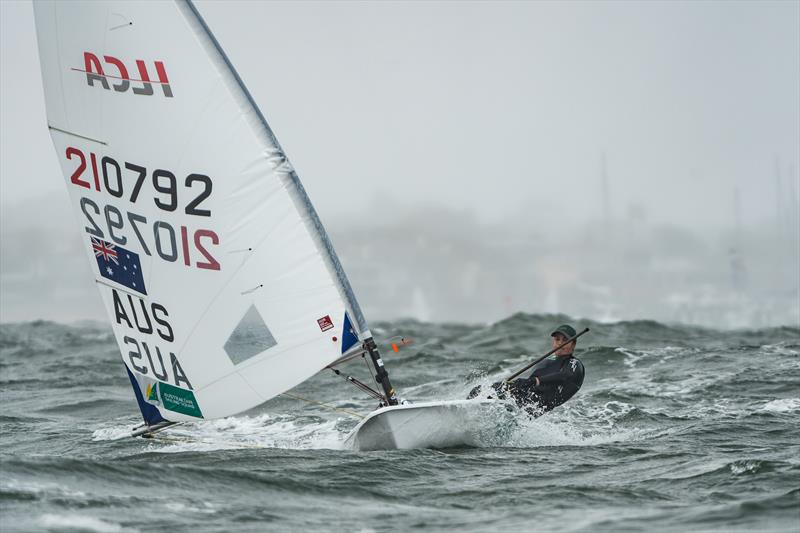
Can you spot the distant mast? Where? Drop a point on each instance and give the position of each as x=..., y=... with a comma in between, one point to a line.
x=738, y=272
x=779, y=218
x=606, y=196
x=794, y=203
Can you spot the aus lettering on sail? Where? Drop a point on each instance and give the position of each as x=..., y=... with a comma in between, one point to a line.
x=116, y=72
x=148, y=326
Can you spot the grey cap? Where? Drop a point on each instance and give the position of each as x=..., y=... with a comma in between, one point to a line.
x=566, y=330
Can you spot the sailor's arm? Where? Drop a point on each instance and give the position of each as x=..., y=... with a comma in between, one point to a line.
x=567, y=374
x=525, y=382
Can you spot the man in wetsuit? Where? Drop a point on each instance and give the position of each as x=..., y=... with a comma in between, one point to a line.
x=556, y=379
x=552, y=381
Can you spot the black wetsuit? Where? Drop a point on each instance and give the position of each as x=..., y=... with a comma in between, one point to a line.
x=559, y=379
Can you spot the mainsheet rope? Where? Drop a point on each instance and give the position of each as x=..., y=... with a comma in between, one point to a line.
x=328, y=406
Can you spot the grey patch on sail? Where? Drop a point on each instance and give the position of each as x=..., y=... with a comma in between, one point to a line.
x=250, y=337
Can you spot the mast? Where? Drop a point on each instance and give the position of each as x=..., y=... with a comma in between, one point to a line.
x=381, y=374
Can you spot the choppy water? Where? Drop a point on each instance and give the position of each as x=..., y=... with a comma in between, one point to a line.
x=675, y=429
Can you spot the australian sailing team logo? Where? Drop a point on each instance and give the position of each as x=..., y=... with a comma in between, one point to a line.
x=119, y=265
x=120, y=79
x=169, y=397
x=151, y=393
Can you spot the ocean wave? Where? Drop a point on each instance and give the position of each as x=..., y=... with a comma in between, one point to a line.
x=80, y=522
x=668, y=416
x=42, y=336
x=784, y=405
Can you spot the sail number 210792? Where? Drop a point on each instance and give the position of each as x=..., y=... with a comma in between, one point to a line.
x=191, y=246
x=165, y=184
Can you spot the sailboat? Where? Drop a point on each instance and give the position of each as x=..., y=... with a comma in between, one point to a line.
x=221, y=285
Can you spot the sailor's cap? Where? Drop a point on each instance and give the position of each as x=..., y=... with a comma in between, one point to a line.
x=566, y=330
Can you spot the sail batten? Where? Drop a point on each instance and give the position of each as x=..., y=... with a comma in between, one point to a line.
x=221, y=284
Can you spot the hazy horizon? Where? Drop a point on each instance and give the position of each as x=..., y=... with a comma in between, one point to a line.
x=525, y=119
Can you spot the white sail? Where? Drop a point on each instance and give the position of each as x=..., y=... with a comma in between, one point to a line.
x=221, y=285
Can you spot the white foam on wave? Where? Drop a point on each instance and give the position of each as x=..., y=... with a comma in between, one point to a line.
x=594, y=426
x=661, y=354
x=261, y=431
x=785, y=405
x=577, y=423
x=744, y=467
x=74, y=522
x=178, y=507
x=42, y=489
x=631, y=356
x=780, y=348
x=112, y=432
x=238, y=432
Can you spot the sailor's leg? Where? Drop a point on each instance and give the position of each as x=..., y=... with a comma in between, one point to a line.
x=500, y=390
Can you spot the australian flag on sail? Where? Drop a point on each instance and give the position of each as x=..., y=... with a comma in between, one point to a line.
x=119, y=265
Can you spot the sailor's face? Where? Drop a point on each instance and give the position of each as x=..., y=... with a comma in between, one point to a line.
x=558, y=339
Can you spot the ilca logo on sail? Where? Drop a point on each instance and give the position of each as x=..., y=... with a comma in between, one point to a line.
x=120, y=79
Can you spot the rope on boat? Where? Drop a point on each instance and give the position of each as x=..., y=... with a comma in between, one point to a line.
x=321, y=404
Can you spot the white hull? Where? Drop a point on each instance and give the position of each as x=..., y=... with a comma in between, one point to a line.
x=441, y=424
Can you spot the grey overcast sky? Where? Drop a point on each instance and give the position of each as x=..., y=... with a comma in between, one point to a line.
x=496, y=108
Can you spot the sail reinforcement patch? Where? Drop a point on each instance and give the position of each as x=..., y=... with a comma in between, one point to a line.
x=250, y=337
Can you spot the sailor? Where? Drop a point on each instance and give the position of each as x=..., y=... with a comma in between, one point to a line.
x=552, y=381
